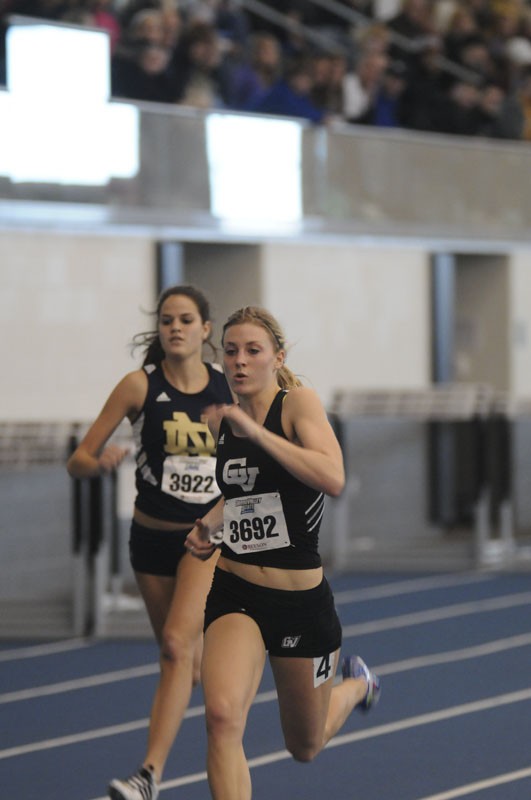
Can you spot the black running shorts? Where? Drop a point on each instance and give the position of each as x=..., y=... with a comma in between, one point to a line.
x=154, y=551
x=301, y=624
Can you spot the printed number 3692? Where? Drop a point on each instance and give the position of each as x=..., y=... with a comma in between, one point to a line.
x=255, y=528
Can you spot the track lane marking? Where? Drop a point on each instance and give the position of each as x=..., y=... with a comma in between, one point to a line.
x=438, y=614
x=374, y=626
x=264, y=697
x=372, y=733
x=409, y=586
x=478, y=786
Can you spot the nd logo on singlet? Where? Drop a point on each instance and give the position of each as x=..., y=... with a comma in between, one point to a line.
x=184, y=436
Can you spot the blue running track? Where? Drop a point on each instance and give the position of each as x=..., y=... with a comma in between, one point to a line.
x=454, y=720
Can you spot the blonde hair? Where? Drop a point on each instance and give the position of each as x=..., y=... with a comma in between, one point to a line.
x=259, y=316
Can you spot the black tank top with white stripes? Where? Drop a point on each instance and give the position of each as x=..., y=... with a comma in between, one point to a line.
x=271, y=518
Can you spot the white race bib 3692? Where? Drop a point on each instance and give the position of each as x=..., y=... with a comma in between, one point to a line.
x=255, y=523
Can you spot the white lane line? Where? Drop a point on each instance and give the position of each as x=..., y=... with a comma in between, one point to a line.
x=80, y=683
x=446, y=657
x=48, y=649
x=409, y=586
x=488, y=783
x=111, y=730
x=374, y=626
x=452, y=656
x=348, y=596
x=372, y=733
x=439, y=614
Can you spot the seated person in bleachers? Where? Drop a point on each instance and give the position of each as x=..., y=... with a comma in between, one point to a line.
x=461, y=112
x=141, y=64
x=498, y=118
x=291, y=95
x=519, y=104
x=256, y=72
x=474, y=55
x=415, y=22
x=202, y=76
x=143, y=73
x=424, y=101
x=387, y=107
x=104, y=17
x=461, y=25
x=362, y=85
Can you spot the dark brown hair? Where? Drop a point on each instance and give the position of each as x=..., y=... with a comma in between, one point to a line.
x=150, y=341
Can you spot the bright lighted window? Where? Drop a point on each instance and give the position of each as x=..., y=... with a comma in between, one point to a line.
x=255, y=170
x=56, y=122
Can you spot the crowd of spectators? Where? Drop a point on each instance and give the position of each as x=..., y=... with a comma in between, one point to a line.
x=446, y=66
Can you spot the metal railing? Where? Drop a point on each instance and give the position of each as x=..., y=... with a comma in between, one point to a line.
x=331, y=45
x=409, y=46
x=443, y=461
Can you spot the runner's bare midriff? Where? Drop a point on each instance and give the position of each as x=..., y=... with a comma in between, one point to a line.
x=292, y=580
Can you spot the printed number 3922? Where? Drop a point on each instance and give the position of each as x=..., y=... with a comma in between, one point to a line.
x=191, y=483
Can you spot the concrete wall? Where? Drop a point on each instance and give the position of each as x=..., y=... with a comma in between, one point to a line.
x=69, y=307
x=482, y=346
x=355, y=316
x=520, y=325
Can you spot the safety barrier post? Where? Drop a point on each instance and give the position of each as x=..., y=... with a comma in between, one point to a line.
x=340, y=507
x=80, y=576
x=94, y=535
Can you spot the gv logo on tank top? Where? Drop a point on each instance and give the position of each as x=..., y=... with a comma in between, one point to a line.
x=237, y=471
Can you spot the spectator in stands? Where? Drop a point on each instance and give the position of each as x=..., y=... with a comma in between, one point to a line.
x=474, y=55
x=143, y=74
x=462, y=25
x=374, y=39
x=503, y=28
x=256, y=72
x=147, y=25
x=338, y=70
x=226, y=16
x=141, y=64
x=517, y=58
x=328, y=73
x=482, y=11
x=294, y=45
x=497, y=117
x=104, y=17
x=425, y=98
x=172, y=24
x=362, y=85
x=415, y=23
x=321, y=65
x=291, y=95
x=387, y=107
x=202, y=78
x=524, y=97
x=460, y=113
x=45, y=9
x=175, y=483
x=518, y=107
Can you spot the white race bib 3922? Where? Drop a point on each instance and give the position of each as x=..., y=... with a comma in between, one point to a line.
x=191, y=479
